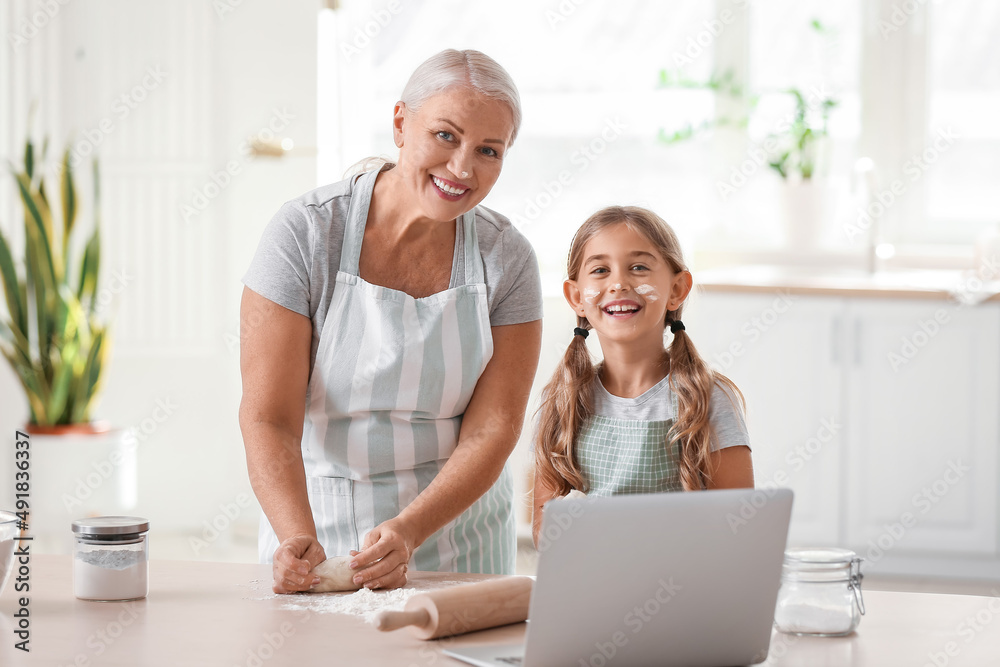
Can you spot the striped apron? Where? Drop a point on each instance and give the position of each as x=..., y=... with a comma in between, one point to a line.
x=621, y=456
x=392, y=378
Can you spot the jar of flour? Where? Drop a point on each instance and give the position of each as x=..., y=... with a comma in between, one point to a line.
x=111, y=558
x=820, y=593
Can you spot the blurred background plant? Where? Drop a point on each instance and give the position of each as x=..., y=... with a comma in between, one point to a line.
x=793, y=148
x=52, y=335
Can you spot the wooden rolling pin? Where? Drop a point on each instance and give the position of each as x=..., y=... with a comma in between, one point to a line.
x=464, y=608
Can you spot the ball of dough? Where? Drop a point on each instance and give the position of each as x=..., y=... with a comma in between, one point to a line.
x=335, y=574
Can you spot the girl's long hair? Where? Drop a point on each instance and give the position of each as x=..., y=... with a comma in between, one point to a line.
x=567, y=400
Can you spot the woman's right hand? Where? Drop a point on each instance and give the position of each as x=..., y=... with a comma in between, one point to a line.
x=294, y=561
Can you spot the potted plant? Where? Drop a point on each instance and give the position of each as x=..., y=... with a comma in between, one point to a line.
x=53, y=337
x=794, y=149
x=57, y=343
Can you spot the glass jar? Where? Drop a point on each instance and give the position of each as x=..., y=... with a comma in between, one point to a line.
x=820, y=593
x=111, y=558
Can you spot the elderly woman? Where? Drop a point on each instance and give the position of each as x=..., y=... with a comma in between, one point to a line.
x=390, y=333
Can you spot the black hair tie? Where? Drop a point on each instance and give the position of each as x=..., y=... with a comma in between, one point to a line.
x=676, y=325
x=581, y=332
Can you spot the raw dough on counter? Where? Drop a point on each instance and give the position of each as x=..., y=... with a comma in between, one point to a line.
x=335, y=574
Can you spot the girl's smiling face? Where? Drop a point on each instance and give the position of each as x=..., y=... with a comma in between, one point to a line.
x=452, y=149
x=624, y=287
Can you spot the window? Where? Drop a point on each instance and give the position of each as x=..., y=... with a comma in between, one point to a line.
x=902, y=72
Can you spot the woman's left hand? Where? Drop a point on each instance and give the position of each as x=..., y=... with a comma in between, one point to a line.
x=382, y=561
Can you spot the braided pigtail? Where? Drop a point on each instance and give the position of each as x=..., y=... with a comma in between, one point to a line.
x=567, y=401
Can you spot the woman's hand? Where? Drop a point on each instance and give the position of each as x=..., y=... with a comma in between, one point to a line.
x=382, y=561
x=294, y=561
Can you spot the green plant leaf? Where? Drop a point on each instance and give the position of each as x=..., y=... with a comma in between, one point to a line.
x=89, y=271
x=68, y=191
x=16, y=306
x=91, y=376
x=28, y=373
x=62, y=383
x=55, y=342
x=36, y=227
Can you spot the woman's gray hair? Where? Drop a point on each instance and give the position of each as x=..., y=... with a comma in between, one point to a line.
x=444, y=70
x=470, y=68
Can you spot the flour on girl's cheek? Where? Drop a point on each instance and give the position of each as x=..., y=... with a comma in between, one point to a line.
x=647, y=291
x=589, y=294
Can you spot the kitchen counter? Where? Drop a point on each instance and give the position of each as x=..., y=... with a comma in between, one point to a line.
x=967, y=287
x=219, y=614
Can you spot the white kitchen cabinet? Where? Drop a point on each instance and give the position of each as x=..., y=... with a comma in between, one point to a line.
x=779, y=350
x=922, y=403
x=883, y=415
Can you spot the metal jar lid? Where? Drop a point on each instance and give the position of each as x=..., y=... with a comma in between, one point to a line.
x=110, y=527
x=820, y=557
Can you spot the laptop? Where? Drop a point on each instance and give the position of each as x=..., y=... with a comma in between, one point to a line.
x=661, y=579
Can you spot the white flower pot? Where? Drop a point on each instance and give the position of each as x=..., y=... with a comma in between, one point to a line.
x=805, y=206
x=75, y=476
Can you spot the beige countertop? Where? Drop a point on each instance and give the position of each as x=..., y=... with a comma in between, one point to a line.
x=968, y=287
x=218, y=614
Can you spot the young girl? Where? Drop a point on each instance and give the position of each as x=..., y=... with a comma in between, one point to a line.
x=648, y=418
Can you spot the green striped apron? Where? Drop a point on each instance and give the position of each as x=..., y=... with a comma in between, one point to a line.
x=392, y=378
x=621, y=456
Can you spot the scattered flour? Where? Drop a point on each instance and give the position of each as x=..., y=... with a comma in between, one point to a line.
x=257, y=586
x=365, y=603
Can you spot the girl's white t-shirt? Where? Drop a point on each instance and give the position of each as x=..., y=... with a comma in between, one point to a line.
x=657, y=404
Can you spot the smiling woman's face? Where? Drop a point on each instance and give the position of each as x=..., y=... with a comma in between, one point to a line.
x=451, y=150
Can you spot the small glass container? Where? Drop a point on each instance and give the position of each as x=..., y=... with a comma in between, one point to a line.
x=111, y=558
x=820, y=593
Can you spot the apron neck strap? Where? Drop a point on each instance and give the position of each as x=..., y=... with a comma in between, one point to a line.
x=474, y=274
x=357, y=216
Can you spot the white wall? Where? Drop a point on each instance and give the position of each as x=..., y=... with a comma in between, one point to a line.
x=222, y=76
